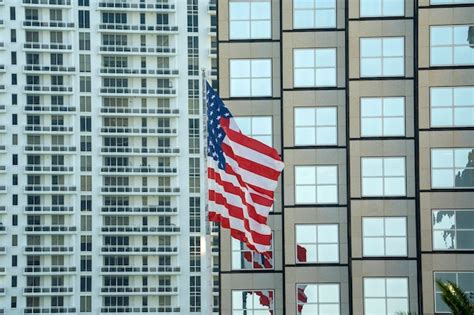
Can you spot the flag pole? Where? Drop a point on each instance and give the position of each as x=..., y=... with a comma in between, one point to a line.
x=206, y=243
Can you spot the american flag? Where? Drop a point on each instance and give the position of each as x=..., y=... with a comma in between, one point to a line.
x=242, y=175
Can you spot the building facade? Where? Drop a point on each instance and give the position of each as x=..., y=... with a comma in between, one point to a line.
x=101, y=193
x=371, y=105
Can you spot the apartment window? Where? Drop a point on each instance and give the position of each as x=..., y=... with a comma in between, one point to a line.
x=314, y=67
x=318, y=298
x=86, y=283
x=385, y=296
x=372, y=8
x=84, y=41
x=12, y=13
x=86, y=263
x=450, y=45
x=13, y=57
x=14, y=79
x=85, y=304
x=314, y=13
x=253, y=302
x=250, y=77
x=316, y=184
x=317, y=243
x=84, y=20
x=315, y=126
x=55, y=14
x=384, y=236
x=453, y=229
x=452, y=106
x=382, y=116
x=250, y=19
x=382, y=57
x=452, y=168
x=257, y=127
x=244, y=258
x=86, y=123
x=85, y=84
x=84, y=63
x=383, y=176
x=13, y=36
x=465, y=280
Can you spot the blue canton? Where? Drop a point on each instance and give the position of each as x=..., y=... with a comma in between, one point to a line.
x=215, y=110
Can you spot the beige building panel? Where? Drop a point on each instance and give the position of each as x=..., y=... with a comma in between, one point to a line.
x=314, y=215
x=308, y=275
x=388, y=28
x=383, y=268
x=224, y=20
x=354, y=11
x=287, y=14
x=314, y=157
x=381, y=148
x=253, y=281
x=438, y=16
x=293, y=99
x=265, y=50
x=298, y=40
x=274, y=221
x=382, y=88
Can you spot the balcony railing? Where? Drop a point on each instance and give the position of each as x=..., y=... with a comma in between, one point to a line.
x=47, y=46
x=140, y=190
x=141, y=229
x=135, y=5
x=138, y=72
x=130, y=250
x=48, y=209
x=49, y=270
x=137, y=50
x=141, y=169
x=140, y=151
x=48, y=2
x=50, y=149
x=50, y=108
x=128, y=269
x=139, y=210
x=50, y=228
x=49, y=169
x=139, y=290
x=48, y=89
x=138, y=310
x=44, y=188
x=39, y=249
x=38, y=68
x=48, y=290
x=51, y=310
x=140, y=111
x=47, y=24
x=48, y=129
x=131, y=92
x=144, y=130
x=138, y=28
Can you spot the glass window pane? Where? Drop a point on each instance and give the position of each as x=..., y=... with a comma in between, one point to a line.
x=371, y=47
x=370, y=8
x=305, y=194
x=372, y=167
x=305, y=175
x=304, y=58
x=240, y=68
x=303, y=19
x=306, y=233
x=373, y=246
x=239, y=30
x=374, y=287
x=326, y=77
x=372, y=187
x=373, y=226
x=394, y=166
x=326, y=175
x=305, y=116
x=397, y=287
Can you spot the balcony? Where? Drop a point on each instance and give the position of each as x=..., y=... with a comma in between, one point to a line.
x=212, y=7
x=3, y=129
x=3, y=189
x=119, y=229
x=51, y=310
x=139, y=270
x=2, y=23
x=2, y=88
x=124, y=91
x=130, y=151
x=32, y=24
x=49, y=69
x=50, y=109
x=118, y=71
x=139, y=131
x=2, y=68
x=40, y=3
x=53, y=89
x=49, y=189
x=127, y=111
x=50, y=149
x=3, y=169
x=127, y=50
x=139, y=310
x=48, y=129
x=49, y=209
x=2, y=108
x=162, y=191
x=48, y=290
x=53, y=270
x=33, y=46
x=161, y=290
x=212, y=30
x=3, y=149
x=2, y=45
x=3, y=209
x=139, y=250
x=48, y=169
x=158, y=6
x=3, y=229
x=139, y=170
x=129, y=28
x=49, y=229
x=49, y=250
x=3, y=250
x=139, y=210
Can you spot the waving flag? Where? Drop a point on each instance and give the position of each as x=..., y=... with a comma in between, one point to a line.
x=242, y=175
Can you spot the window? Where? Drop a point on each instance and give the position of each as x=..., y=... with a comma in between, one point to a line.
x=252, y=302
x=382, y=57
x=257, y=127
x=449, y=45
x=314, y=67
x=465, y=280
x=453, y=229
x=84, y=19
x=314, y=13
x=250, y=19
x=383, y=176
x=316, y=184
x=384, y=236
x=244, y=258
x=385, y=296
x=317, y=243
x=382, y=116
x=320, y=298
x=250, y=77
x=450, y=1
x=452, y=106
x=452, y=168
x=316, y=126
x=369, y=8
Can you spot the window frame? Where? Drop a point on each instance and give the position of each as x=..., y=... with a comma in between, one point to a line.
x=385, y=298
x=453, y=149
x=315, y=126
x=315, y=67
x=318, y=262
x=318, y=284
x=452, y=107
x=252, y=310
x=256, y=136
x=315, y=166
x=382, y=15
x=250, y=20
x=250, y=78
x=435, y=287
x=455, y=230
x=363, y=194
x=382, y=57
x=382, y=117
x=452, y=46
x=253, y=253
x=314, y=10
x=384, y=236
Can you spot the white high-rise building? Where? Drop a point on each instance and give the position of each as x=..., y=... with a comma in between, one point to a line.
x=101, y=193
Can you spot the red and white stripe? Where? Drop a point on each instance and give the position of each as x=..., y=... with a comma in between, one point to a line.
x=242, y=195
